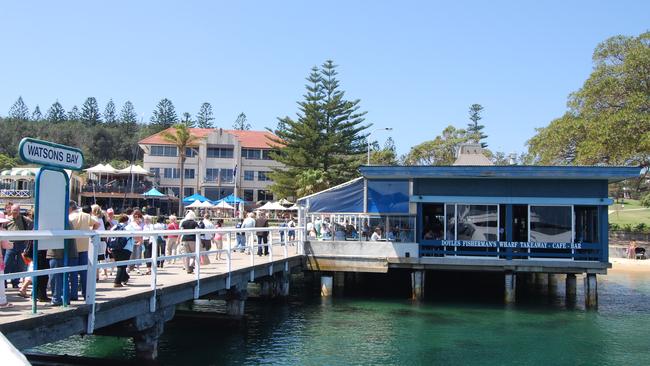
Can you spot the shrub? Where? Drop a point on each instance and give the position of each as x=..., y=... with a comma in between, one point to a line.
x=640, y=227
x=614, y=227
x=645, y=200
x=627, y=228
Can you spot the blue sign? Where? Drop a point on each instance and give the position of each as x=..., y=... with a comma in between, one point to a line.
x=508, y=244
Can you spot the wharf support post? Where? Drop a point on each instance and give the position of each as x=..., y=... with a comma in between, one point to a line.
x=510, y=282
x=236, y=302
x=591, y=291
x=417, y=284
x=571, y=288
x=326, y=285
x=146, y=331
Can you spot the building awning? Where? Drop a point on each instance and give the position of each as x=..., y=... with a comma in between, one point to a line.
x=344, y=198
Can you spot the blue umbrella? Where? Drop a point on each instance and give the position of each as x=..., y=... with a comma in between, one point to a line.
x=153, y=192
x=233, y=199
x=194, y=197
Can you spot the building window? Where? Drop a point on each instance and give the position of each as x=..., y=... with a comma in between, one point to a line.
x=211, y=174
x=249, y=175
x=171, y=173
x=188, y=191
x=189, y=173
x=217, y=193
x=551, y=224
x=477, y=222
x=433, y=218
x=262, y=177
x=163, y=150
x=264, y=195
x=173, y=191
x=586, y=224
x=220, y=152
x=190, y=152
x=248, y=195
x=155, y=172
x=253, y=154
x=227, y=176
x=266, y=155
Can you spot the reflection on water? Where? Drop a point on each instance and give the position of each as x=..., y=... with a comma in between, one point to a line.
x=343, y=331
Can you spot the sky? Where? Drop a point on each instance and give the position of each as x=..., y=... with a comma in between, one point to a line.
x=416, y=66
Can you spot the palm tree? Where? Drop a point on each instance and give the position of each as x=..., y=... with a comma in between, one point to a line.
x=182, y=138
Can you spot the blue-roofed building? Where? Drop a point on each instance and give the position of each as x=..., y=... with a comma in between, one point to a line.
x=504, y=217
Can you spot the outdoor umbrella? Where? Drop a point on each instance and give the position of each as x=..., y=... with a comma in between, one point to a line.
x=231, y=199
x=205, y=204
x=195, y=204
x=223, y=204
x=195, y=197
x=153, y=193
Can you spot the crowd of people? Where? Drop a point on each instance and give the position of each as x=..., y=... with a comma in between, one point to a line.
x=16, y=256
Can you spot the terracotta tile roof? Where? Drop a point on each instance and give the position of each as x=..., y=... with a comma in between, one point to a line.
x=248, y=139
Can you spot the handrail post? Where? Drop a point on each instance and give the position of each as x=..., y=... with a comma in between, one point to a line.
x=154, y=275
x=197, y=264
x=91, y=280
x=228, y=259
x=286, y=243
x=252, y=241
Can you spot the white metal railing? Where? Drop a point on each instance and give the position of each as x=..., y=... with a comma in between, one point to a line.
x=93, y=266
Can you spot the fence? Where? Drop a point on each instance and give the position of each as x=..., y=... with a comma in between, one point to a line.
x=93, y=266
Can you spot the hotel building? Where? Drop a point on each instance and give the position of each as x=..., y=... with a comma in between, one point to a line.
x=223, y=162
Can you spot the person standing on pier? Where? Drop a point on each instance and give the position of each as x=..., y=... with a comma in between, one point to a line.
x=80, y=220
x=13, y=257
x=172, y=240
x=3, y=246
x=262, y=236
x=189, y=241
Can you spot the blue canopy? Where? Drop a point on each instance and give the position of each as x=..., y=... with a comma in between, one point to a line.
x=344, y=198
x=194, y=197
x=153, y=192
x=231, y=199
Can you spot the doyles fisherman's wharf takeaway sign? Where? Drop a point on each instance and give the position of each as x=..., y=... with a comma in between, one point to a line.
x=50, y=154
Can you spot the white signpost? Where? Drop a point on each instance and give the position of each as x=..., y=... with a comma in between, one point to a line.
x=52, y=184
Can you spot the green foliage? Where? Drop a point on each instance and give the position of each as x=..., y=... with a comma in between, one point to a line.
x=73, y=114
x=182, y=138
x=90, y=115
x=56, y=113
x=311, y=181
x=608, y=121
x=474, y=130
x=19, y=110
x=164, y=116
x=326, y=140
x=439, y=151
x=645, y=200
x=127, y=114
x=187, y=120
x=241, y=122
x=387, y=155
x=204, y=118
x=37, y=116
x=7, y=162
x=109, y=113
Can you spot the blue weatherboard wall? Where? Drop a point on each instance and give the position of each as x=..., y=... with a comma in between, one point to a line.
x=346, y=198
x=388, y=196
x=511, y=188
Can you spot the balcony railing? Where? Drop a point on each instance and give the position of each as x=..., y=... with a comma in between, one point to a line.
x=16, y=193
x=120, y=188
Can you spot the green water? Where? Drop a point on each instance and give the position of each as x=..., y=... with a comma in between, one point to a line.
x=391, y=331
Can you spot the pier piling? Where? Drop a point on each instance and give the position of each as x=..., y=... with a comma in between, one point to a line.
x=591, y=291
x=510, y=287
x=571, y=288
x=326, y=283
x=417, y=285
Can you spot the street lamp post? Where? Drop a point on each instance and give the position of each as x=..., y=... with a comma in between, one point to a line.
x=368, y=138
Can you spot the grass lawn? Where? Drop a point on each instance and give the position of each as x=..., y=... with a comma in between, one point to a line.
x=632, y=213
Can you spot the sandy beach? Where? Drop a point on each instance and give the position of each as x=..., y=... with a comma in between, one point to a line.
x=629, y=265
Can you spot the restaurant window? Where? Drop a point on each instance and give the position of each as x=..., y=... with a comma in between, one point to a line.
x=551, y=224
x=249, y=175
x=264, y=195
x=586, y=224
x=388, y=196
x=188, y=191
x=477, y=222
x=248, y=195
x=171, y=173
x=211, y=174
x=433, y=218
x=173, y=191
x=162, y=150
x=253, y=154
x=220, y=152
x=450, y=220
x=155, y=172
x=262, y=177
x=227, y=176
x=217, y=193
x=189, y=173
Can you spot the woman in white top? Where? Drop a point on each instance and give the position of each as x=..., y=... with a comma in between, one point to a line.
x=136, y=225
x=149, y=240
x=376, y=236
x=98, y=216
x=159, y=242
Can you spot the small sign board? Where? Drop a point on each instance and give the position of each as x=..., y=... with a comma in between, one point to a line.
x=51, y=204
x=50, y=154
